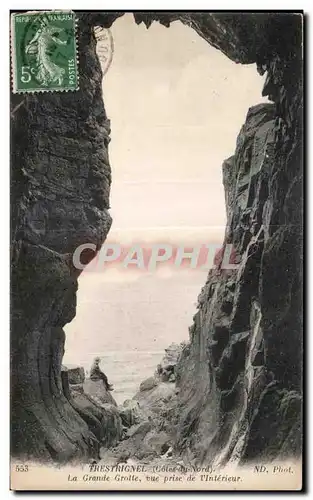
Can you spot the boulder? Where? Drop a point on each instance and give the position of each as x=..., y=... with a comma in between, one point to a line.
x=76, y=374
x=129, y=412
x=97, y=391
x=76, y=388
x=172, y=354
x=141, y=429
x=148, y=384
x=159, y=442
x=166, y=368
x=163, y=392
x=103, y=419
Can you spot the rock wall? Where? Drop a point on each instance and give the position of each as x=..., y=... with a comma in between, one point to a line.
x=60, y=199
x=240, y=376
x=60, y=183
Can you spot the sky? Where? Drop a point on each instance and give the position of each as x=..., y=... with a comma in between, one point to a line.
x=176, y=106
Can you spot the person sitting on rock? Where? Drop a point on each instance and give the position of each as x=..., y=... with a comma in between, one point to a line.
x=97, y=374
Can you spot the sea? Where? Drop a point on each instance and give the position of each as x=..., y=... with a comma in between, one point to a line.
x=128, y=321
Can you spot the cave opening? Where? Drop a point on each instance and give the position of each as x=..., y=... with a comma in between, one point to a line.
x=175, y=104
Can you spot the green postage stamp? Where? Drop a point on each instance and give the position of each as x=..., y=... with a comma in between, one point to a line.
x=44, y=51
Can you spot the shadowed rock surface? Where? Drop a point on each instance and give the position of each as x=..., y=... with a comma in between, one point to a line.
x=151, y=432
x=96, y=406
x=96, y=389
x=60, y=196
x=76, y=375
x=240, y=377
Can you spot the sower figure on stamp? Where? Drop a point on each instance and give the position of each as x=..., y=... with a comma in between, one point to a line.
x=97, y=374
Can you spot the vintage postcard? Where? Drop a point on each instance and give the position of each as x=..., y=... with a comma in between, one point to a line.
x=156, y=250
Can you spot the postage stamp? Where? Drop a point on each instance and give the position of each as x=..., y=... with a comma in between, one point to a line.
x=44, y=52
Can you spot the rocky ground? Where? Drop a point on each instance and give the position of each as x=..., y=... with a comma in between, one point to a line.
x=142, y=428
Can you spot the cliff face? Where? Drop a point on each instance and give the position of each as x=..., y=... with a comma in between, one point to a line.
x=60, y=196
x=241, y=371
x=240, y=377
